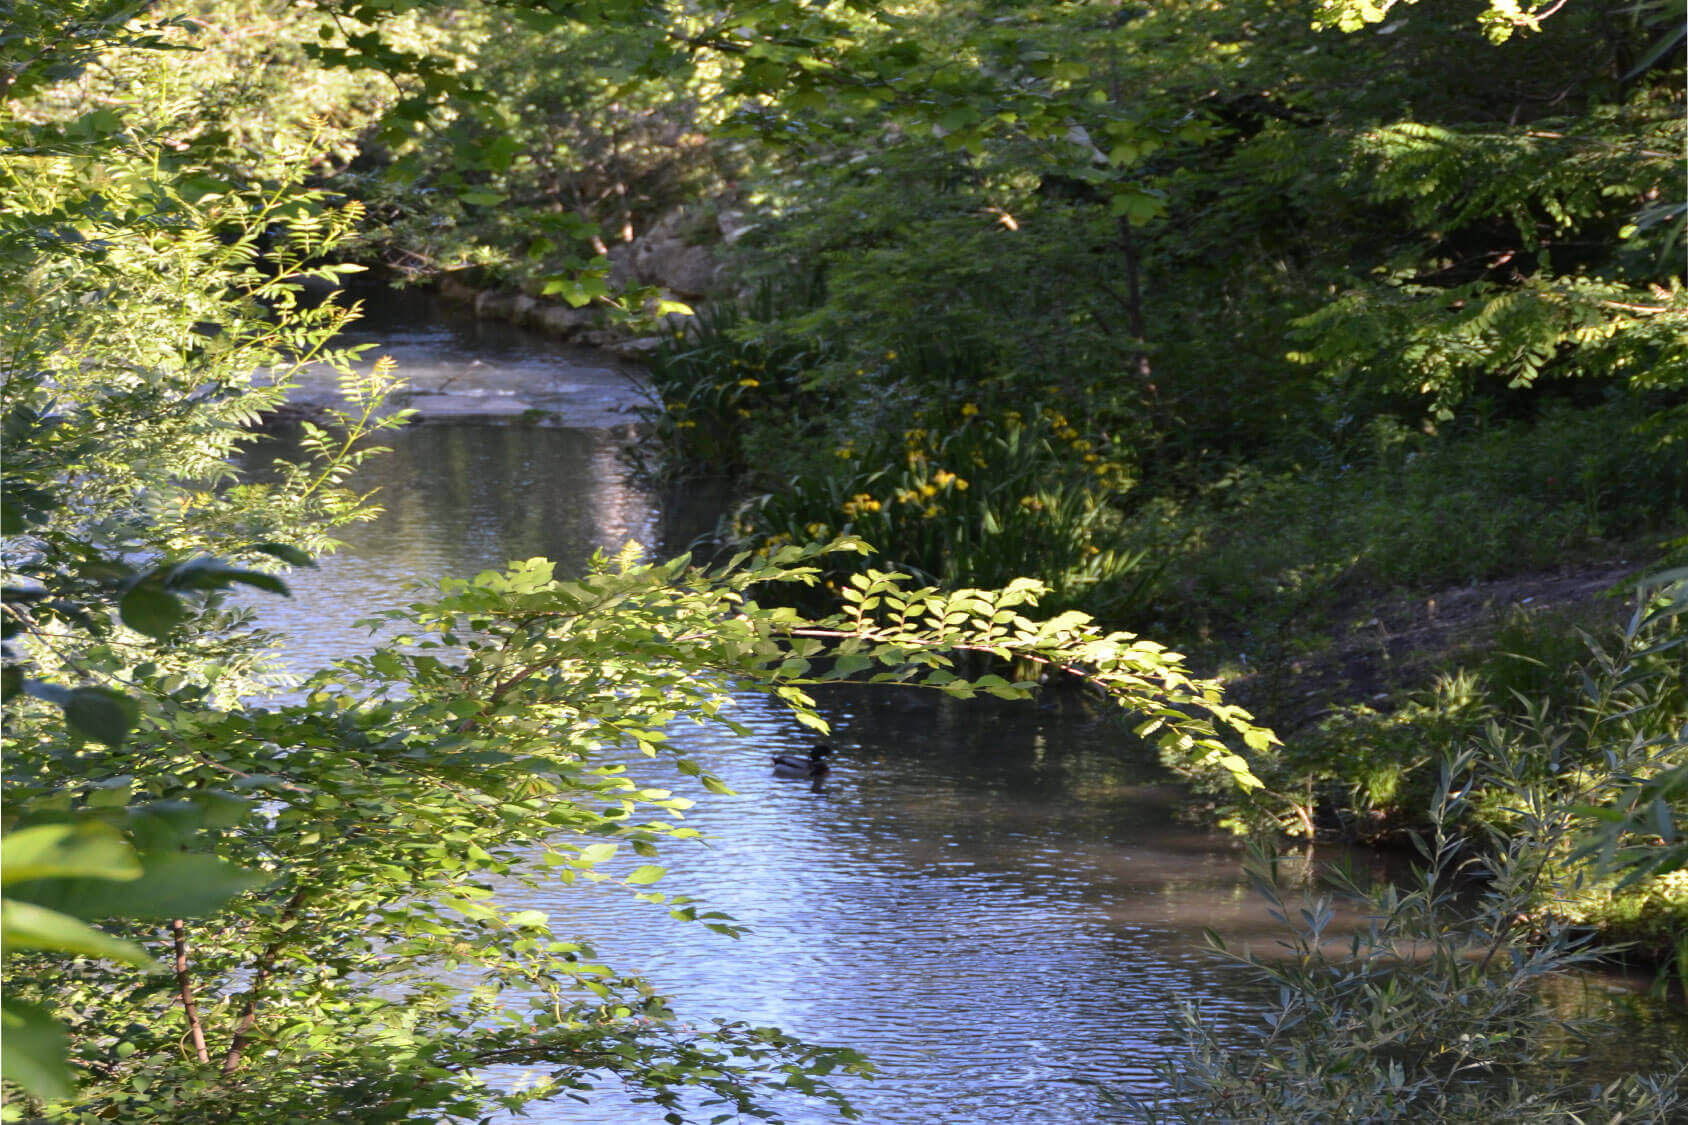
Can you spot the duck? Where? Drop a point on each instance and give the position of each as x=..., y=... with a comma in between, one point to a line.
x=795, y=765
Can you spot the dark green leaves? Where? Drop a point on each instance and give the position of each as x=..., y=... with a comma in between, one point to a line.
x=153, y=603
x=179, y=885
x=33, y=1047
x=152, y=610
x=100, y=713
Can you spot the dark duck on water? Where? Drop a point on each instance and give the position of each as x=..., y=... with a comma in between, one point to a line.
x=796, y=765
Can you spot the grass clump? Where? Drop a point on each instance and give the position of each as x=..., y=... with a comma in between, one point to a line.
x=1440, y=1007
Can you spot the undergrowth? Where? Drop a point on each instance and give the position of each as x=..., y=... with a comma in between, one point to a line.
x=1414, y=511
x=1439, y=1007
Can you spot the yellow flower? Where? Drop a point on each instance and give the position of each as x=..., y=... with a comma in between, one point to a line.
x=1081, y=445
x=750, y=382
x=743, y=413
x=968, y=410
x=688, y=424
x=1012, y=415
x=890, y=355
x=816, y=530
x=928, y=490
x=1089, y=458
x=960, y=485
x=860, y=502
x=1067, y=434
x=943, y=478
x=930, y=512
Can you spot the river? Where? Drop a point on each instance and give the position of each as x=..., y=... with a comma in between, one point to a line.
x=997, y=904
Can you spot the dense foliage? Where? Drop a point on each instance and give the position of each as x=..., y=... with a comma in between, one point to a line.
x=1222, y=316
x=309, y=870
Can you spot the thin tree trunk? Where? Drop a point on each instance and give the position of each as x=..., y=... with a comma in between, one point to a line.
x=1134, y=285
x=184, y=987
x=1134, y=305
x=260, y=976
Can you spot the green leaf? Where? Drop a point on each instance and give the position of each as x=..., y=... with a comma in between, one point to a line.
x=33, y=1050
x=151, y=610
x=24, y=925
x=89, y=850
x=177, y=885
x=101, y=714
x=596, y=853
x=290, y=555
x=648, y=873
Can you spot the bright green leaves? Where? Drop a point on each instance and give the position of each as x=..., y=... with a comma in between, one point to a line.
x=33, y=1047
x=582, y=285
x=1500, y=19
x=674, y=629
x=59, y=850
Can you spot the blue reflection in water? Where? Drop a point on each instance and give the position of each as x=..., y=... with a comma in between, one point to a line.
x=994, y=903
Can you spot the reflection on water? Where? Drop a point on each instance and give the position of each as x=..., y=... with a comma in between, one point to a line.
x=988, y=900
x=457, y=500
x=995, y=903
x=458, y=367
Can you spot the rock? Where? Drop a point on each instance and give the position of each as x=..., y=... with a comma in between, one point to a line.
x=662, y=256
x=524, y=309
x=622, y=273
x=495, y=306
x=730, y=222
x=637, y=348
x=560, y=320
x=692, y=272
x=452, y=288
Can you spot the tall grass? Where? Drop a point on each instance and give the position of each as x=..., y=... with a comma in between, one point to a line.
x=994, y=496
x=1413, y=512
x=1438, y=1009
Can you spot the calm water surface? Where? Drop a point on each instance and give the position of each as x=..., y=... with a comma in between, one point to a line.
x=994, y=903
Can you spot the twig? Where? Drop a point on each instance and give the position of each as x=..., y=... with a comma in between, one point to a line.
x=266, y=962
